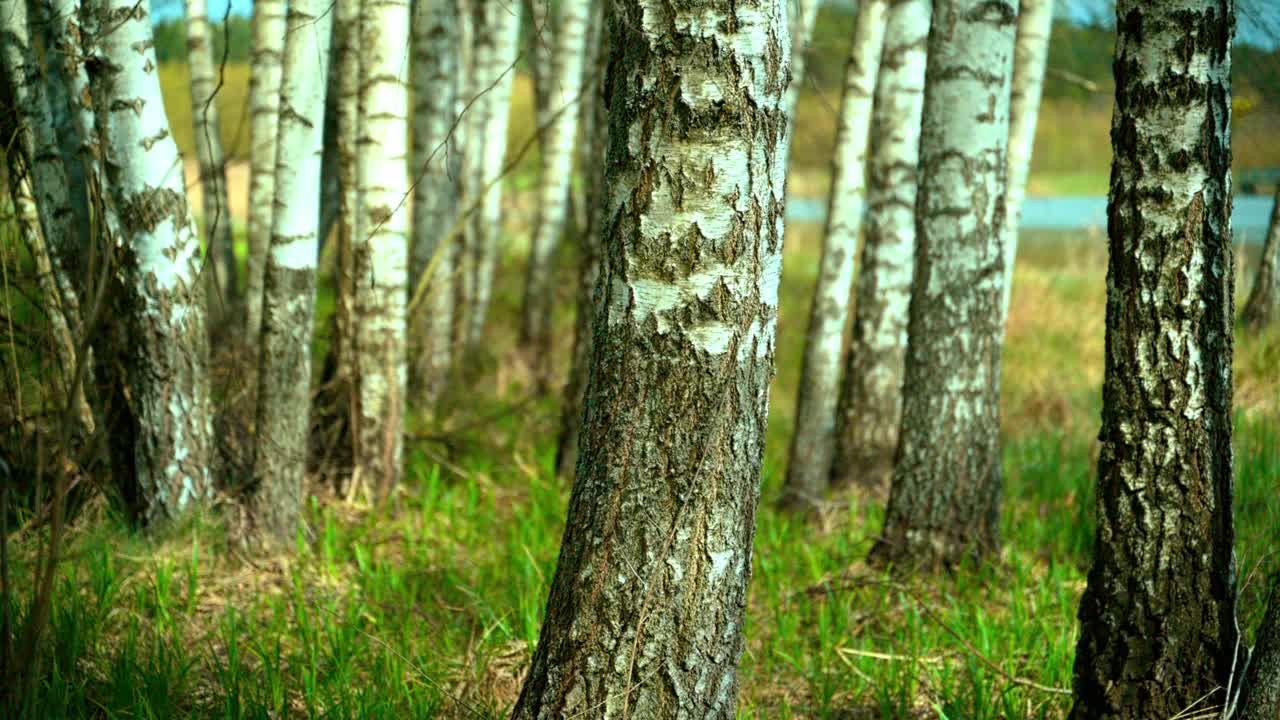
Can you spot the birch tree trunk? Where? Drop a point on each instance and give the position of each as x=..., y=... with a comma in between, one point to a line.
x=647, y=605
x=1035, y=20
x=544, y=36
x=812, y=444
x=284, y=374
x=802, y=16
x=945, y=497
x=564, y=92
x=380, y=246
x=1157, y=620
x=168, y=362
x=595, y=134
x=870, y=405
x=1263, y=306
x=213, y=177
x=495, y=58
x=269, y=29
x=1260, y=696
x=435, y=190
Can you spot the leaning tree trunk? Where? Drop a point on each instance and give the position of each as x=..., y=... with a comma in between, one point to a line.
x=164, y=296
x=647, y=605
x=213, y=172
x=1030, y=56
x=1263, y=305
x=945, y=496
x=496, y=69
x=380, y=246
x=1157, y=620
x=595, y=134
x=1260, y=696
x=812, y=444
x=435, y=193
x=289, y=298
x=264, y=110
x=563, y=91
x=870, y=405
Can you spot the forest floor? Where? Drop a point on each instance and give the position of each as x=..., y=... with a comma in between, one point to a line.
x=430, y=607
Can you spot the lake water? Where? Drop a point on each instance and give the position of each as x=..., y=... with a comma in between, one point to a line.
x=1249, y=215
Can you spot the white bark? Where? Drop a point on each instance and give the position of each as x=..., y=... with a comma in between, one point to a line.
x=284, y=388
x=871, y=393
x=435, y=193
x=564, y=92
x=264, y=111
x=169, y=364
x=1032, y=53
x=380, y=246
x=802, y=14
x=213, y=177
x=812, y=444
x=497, y=35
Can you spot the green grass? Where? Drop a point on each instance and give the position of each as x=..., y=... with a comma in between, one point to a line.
x=431, y=607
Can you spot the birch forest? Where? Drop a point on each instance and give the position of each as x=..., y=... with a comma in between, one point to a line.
x=640, y=359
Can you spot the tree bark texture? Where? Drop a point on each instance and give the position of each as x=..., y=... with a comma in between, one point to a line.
x=163, y=293
x=564, y=92
x=945, y=495
x=269, y=29
x=646, y=609
x=870, y=404
x=435, y=191
x=1260, y=699
x=497, y=37
x=595, y=133
x=213, y=176
x=1157, y=620
x=813, y=442
x=1035, y=19
x=380, y=246
x=1263, y=306
x=289, y=298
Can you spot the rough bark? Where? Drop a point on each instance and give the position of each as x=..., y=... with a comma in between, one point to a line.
x=495, y=57
x=435, y=191
x=380, y=246
x=870, y=405
x=945, y=495
x=647, y=605
x=160, y=276
x=264, y=113
x=1263, y=306
x=564, y=92
x=1260, y=696
x=288, y=304
x=813, y=442
x=1157, y=620
x=595, y=134
x=209, y=155
x=1035, y=18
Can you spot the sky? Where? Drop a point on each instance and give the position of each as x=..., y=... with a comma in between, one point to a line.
x=1258, y=21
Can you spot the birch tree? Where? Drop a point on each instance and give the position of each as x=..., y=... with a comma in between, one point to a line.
x=812, y=444
x=160, y=275
x=870, y=404
x=269, y=29
x=1035, y=19
x=1260, y=695
x=1157, y=621
x=944, y=500
x=209, y=155
x=346, y=61
x=496, y=35
x=595, y=144
x=435, y=190
x=289, y=298
x=1263, y=306
x=380, y=246
x=543, y=37
x=563, y=94
x=647, y=605
x=802, y=14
